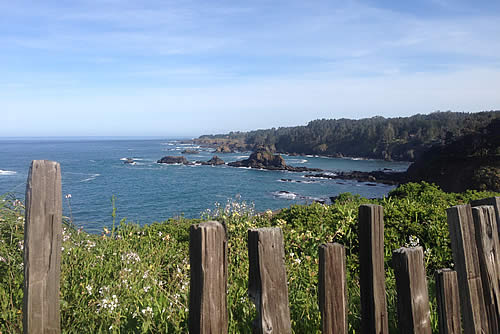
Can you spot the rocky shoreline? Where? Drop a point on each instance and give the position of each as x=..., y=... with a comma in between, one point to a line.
x=262, y=159
x=390, y=178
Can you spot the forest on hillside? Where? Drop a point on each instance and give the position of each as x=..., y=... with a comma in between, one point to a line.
x=401, y=138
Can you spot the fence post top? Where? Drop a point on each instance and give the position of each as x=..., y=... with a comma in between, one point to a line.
x=331, y=244
x=458, y=207
x=208, y=224
x=266, y=230
x=44, y=162
x=405, y=250
x=370, y=206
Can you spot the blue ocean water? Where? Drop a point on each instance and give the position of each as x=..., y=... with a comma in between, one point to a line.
x=93, y=170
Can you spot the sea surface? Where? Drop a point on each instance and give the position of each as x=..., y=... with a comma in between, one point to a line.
x=93, y=171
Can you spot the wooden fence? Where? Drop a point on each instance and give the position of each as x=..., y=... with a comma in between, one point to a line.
x=467, y=298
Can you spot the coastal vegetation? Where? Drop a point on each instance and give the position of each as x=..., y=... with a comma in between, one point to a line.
x=457, y=151
x=132, y=278
x=400, y=138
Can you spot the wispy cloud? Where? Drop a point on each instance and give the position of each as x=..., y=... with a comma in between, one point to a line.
x=273, y=58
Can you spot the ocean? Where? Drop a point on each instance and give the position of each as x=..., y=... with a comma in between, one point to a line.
x=93, y=171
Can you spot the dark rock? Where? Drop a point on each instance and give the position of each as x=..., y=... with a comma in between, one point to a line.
x=375, y=176
x=173, y=160
x=224, y=149
x=190, y=152
x=215, y=161
x=263, y=159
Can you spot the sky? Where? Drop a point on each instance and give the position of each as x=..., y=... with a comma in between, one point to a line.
x=186, y=68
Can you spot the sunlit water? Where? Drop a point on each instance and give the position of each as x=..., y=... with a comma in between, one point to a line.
x=94, y=170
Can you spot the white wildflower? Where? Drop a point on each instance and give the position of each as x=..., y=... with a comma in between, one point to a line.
x=131, y=257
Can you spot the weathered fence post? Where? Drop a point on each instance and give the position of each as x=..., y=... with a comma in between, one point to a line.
x=372, y=274
x=267, y=282
x=493, y=201
x=208, y=285
x=332, y=288
x=466, y=259
x=488, y=247
x=448, y=302
x=414, y=314
x=42, y=248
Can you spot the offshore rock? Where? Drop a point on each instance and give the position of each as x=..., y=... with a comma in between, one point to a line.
x=215, y=161
x=190, y=152
x=263, y=159
x=173, y=160
x=374, y=176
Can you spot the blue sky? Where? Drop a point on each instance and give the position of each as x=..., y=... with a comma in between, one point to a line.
x=185, y=68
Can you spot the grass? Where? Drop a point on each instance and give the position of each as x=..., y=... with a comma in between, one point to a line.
x=133, y=278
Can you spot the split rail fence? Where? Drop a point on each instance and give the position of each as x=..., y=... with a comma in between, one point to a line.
x=467, y=297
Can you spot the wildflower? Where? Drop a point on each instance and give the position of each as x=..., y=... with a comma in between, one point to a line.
x=297, y=261
x=108, y=304
x=2, y=259
x=146, y=288
x=131, y=257
x=90, y=244
x=66, y=237
x=148, y=310
x=413, y=241
x=89, y=290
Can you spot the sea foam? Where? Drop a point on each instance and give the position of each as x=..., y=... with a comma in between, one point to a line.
x=7, y=172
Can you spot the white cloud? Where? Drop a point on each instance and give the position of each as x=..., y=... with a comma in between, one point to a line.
x=194, y=66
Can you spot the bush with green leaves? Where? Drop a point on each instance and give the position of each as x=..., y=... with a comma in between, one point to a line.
x=133, y=278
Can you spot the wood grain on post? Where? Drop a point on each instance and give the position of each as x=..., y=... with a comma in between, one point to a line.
x=493, y=201
x=372, y=274
x=466, y=259
x=208, y=285
x=42, y=248
x=332, y=288
x=414, y=314
x=267, y=282
x=488, y=247
x=448, y=302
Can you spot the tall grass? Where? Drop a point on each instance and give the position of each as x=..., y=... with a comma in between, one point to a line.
x=135, y=278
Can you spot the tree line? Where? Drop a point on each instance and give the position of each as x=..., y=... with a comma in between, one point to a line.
x=399, y=138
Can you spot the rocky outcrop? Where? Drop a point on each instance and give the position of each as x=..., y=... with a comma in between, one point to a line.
x=173, y=160
x=190, y=152
x=471, y=162
x=263, y=159
x=224, y=149
x=375, y=176
x=215, y=161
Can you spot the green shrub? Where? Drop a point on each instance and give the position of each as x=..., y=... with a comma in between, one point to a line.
x=136, y=278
